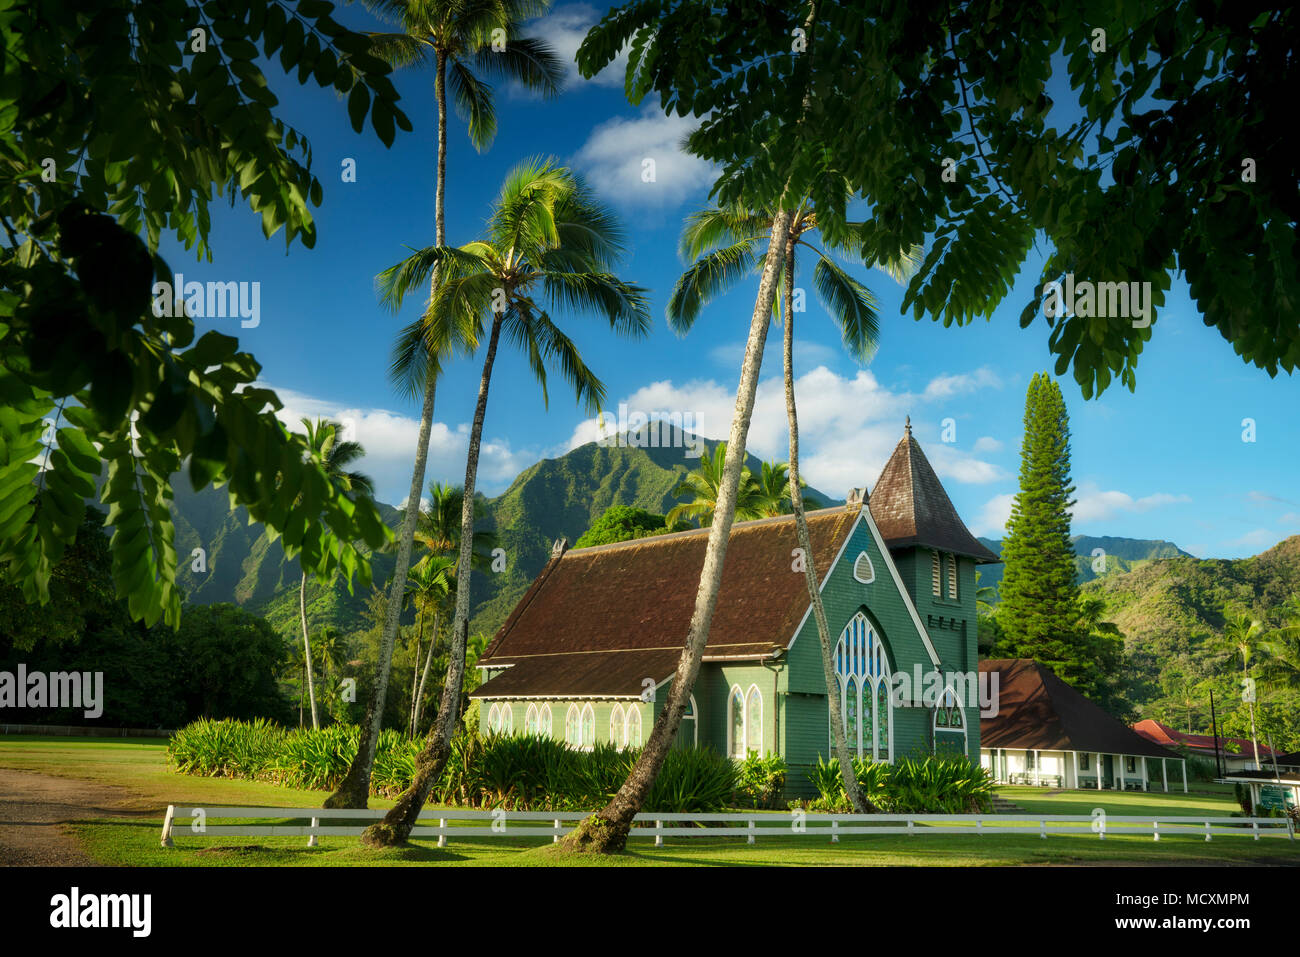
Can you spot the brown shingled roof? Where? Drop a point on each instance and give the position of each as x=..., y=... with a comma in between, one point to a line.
x=1039, y=711
x=911, y=508
x=590, y=606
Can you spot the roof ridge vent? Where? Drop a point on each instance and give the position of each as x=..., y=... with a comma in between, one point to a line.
x=559, y=547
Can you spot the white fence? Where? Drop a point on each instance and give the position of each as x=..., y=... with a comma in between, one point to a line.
x=555, y=824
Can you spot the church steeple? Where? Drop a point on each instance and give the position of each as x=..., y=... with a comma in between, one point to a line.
x=911, y=507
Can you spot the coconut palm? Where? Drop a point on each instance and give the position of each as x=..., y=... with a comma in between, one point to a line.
x=1282, y=644
x=427, y=587
x=1241, y=635
x=328, y=449
x=722, y=245
x=773, y=484
x=438, y=529
x=548, y=248
x=702, y=485
x=464, y=41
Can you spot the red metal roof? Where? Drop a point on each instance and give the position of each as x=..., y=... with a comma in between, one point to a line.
x=1166, y=736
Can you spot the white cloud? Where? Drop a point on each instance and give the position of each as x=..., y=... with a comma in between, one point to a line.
x=1095, y=504
x=564, y=29
x=947, y=386
x=389, y=440
x=1290, y=518
x=992, y=519
x=986, y=443
x=848, y=426
x=620, y=153
x=1258, y=538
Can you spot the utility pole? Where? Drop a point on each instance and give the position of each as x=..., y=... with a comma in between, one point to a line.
x=1214, y=727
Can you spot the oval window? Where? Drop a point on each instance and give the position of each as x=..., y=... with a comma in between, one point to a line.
x=863, y=570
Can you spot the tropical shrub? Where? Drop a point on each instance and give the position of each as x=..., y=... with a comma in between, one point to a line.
x=518, y=772
x=931, y=785
x=760, y=781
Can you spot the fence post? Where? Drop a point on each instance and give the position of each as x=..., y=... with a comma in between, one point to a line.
x=1042, y=829
x=979, y=825
x=659, y=838
x=911, y=827
x=1255, y=826
x=750, y=829
x=442, y=836
x=1155, y=830
x=1207, y=830
x=167, y=826
x=835, y=832
x=312, y=838
x=555, y=838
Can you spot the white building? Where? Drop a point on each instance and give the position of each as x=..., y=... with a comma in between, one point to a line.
x=1047, y=734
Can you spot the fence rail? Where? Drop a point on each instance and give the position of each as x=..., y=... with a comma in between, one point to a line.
x=555, y=824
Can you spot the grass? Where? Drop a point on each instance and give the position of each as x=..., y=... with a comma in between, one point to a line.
x=140, y=768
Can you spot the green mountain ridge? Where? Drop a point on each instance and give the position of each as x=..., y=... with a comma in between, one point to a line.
x=1120, y=555
x=554, y=498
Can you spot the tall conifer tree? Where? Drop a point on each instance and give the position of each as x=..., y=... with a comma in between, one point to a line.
x=1039, y=611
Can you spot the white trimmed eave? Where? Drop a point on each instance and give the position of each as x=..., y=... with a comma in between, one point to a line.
x=865, y=512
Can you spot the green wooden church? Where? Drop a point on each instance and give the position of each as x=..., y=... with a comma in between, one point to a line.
x=588, y=653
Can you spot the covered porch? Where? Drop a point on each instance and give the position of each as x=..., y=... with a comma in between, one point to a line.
x=1074, y=769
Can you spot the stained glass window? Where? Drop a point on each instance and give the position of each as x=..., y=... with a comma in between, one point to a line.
x=737, y=709
x=588, y=727
x=862, y=667
x=544, y=722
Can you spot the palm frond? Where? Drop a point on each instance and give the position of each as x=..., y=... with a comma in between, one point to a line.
x=473, y=100
x=852, y=306
x=705, y=279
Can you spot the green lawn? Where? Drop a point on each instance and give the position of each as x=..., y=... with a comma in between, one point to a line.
x=138, y=766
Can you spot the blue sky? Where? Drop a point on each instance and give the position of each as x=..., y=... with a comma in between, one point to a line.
x=1166, y=462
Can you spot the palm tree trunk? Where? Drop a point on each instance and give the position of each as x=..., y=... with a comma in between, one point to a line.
x=428, y=662
x=396, y=827
x=354, y=791
x=415, y=669
x=606, y=831
x=306, y=649
x=856, y=800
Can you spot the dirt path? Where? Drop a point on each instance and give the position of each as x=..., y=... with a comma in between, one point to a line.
x=33, y=812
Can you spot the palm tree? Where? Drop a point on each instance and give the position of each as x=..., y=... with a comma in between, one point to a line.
x=549, y=246
x=1241, y=634
x=465, y=40
x=438, y=535
x=702, y=486
x=1282, y=644
x=774, y=490
x=723, y=243
x=427, y=588
x=333, y=455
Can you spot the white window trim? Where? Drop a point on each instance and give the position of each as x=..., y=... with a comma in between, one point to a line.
x=532, y=720
x=494, y=719
x=618, y=727
x=587, y=709
x=574, y=710
x=947, y=695
x=749, y=733
x=507, y=719
x=870, y=566
x=735, y=692
x=633, y=711
x=545, y=721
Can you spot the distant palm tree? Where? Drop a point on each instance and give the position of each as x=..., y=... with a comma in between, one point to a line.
x=724, y=244
x=1282, y=645
x=428, y=587
x=465, y=40
x=702, y=485
x=1241, y=634
x=333, y=455
x=549, y=247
